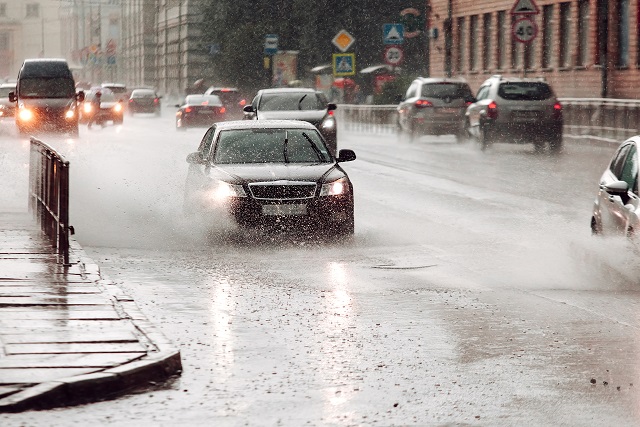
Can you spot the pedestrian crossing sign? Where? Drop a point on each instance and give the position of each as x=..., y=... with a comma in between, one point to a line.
x=344, y=64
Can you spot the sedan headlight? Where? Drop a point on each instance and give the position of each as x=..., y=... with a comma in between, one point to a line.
x=335, y=188
x=87, y=108
x=329, y=123
x=117, y=108
x=69, y=114
x=224, y=191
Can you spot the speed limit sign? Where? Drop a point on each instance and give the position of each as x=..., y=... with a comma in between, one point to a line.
x=393, y=55
x=524, y=30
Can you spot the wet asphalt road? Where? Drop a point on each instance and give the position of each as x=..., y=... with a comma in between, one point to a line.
x=471, y=294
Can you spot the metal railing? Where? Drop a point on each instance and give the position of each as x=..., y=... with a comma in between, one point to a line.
x=49, y=196
x=603, y=119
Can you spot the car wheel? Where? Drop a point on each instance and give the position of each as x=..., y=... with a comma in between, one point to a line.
x=74, y=132
x=486, y=137
x=118, y=121
x=538, y=144
x=555, y=145
x=463, y=134
x=596, y=229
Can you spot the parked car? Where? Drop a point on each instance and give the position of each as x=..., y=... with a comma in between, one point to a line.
x=144, y=101
x=111, y=108
x=616, y=209
x=304, y=104
x=435, y=106
x=199, y=111
x=271, y=172
x=232, y=99
x=7, y=108
x=516, y=110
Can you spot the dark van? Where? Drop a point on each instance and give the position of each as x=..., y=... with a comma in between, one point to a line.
x=46, y=97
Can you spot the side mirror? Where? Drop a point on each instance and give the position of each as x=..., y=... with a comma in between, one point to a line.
x=80, y=96
x=331, y=106
x=471, y=99
x=617, y=188
x=195, y=158
x=177, y=105
x=346, y=155
x=398, y=99
x=248, y=109
x=13, y=97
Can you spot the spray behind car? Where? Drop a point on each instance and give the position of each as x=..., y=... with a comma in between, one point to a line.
x=46, y=97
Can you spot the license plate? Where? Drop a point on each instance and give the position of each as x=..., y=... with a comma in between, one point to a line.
x=205, y=112
x=526, y=115
x=447, y=110
x=284, y=210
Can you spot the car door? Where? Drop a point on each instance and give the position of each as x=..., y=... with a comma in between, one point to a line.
x=625, y=207
x=197, y=175
x=612, y=217
x=473, y=113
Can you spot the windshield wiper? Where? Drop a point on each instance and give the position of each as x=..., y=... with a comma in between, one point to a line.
x=300, y=101
x=315, y=148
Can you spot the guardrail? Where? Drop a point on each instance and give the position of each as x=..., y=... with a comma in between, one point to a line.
x=605, y=119
x=49, y=195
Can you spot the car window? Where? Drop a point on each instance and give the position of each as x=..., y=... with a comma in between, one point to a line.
x=483, y=92
x=202, y=100
x=290, y=101
x=526, y=91
x=618, y=161
x=270, y=146
x=205, y=143
x=445, y=90
x=629, y=172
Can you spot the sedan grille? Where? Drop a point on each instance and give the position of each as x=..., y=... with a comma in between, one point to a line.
x=282, y=191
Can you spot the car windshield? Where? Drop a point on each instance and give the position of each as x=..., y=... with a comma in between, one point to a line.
x=290, y=101
x=202, y=100
x=57, y=87
x=228, y=97
x=270, y=146
x=529, y=91
x=143, y=94
x=117, y=89
x=445, y=90
x=107, y=96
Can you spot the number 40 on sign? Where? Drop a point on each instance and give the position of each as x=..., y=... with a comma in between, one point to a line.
x=524, y=30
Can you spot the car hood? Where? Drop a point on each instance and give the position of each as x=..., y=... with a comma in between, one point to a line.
x=47, y=102
x=304, y=115
x=278, y=172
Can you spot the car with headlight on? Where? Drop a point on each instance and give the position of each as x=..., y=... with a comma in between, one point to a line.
x=111, y=107
x=7, y=108
x=616, y=209
x=304, y=104
x=271, y=172
x=199, y=111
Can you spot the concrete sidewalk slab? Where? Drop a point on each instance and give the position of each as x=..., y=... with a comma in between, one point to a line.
x=68, y=335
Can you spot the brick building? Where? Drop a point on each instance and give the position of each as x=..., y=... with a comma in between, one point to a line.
x=585, y=48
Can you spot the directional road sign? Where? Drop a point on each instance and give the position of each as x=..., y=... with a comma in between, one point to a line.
x=393, y=33
x=344, y=64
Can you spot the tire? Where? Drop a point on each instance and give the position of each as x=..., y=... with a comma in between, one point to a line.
x=538, y=144
x=179, y=127
x=75, y=133
x=118, y=121
x=596, y=230
x=555, y=144
x=486, y=137
x=462, y=135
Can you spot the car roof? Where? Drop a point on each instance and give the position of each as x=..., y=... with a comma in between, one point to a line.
x=442, y=80
x=510, y=79
x=264, y=124
x=113, y=85
x=224, y=88
x=287, y=90
x=143, y=90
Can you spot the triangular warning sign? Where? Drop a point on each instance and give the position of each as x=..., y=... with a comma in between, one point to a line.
x=393, y=34
x=525, y=7
x=344, y=65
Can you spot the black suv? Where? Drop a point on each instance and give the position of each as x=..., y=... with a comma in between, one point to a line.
x=516, y=110
x=435, y=106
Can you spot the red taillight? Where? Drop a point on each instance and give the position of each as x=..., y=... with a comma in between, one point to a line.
x=188, y=110
x=223, y=110
x=557, y=110
x=156, y=100
x=243, y=102
x=130, y=101
x=423, y=103
x=492, y=110
x=330, y=112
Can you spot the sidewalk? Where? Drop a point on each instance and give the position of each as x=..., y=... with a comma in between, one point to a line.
x=67, y=335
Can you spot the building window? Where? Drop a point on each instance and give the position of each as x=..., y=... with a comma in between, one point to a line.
x=33, y=10
x=461, y=37
x=486, y=46
x=3, y=10
x=547, y=35
x=528, y=50
x=473, y=43
x=601, y=33
x=583, y=32
x=623, y=33
x=565, y=35
x=502, y=42
x=514, y=46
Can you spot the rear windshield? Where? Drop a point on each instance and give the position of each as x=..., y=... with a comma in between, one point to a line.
x=228, y=97
x=291, y=101
x=445, y=90
x=143, y=94
x=47, y=88
x=526, y=91
x=117, y=89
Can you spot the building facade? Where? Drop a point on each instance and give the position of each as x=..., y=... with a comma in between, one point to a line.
x=139, y=42
x=28, y=29
x=585, y=48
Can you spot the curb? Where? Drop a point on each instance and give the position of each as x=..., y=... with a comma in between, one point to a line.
x=161, y=362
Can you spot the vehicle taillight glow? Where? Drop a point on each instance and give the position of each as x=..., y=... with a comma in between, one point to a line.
x=156, y=100
x=223, y=110
x=188, y=110
x=25, y=114
x=330, y=112
x=243, y=102
x=492, y=110
x=423, y=103
x=557, y=110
